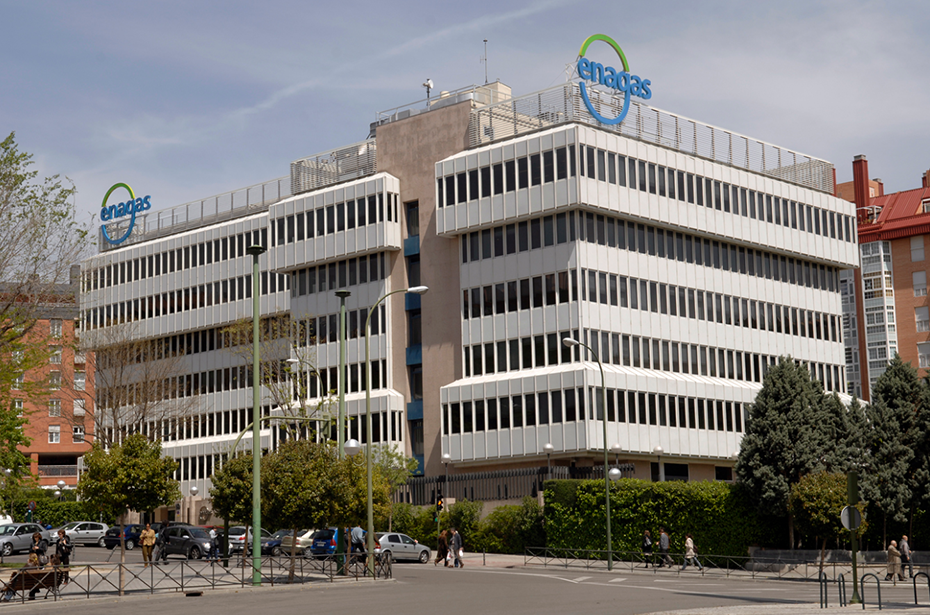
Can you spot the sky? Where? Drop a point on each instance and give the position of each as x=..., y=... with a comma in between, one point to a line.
x=186, y=99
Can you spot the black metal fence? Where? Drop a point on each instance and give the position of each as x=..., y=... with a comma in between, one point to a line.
x=499, y=485
x=185, y=576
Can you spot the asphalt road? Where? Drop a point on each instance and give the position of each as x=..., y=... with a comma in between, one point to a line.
x=480, y=590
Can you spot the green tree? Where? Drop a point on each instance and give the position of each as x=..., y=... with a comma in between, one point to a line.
x=40, y=239
x=891, y=438
x=132, y=475
x=396, y=468
x=816, y=502
x=784, y=439
x=231, y=493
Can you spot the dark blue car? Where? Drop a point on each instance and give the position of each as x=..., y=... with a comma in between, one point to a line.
x=133, y=531
x=324, y=542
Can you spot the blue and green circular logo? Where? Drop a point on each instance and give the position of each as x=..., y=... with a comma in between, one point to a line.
x=128, y=207
x=622, y=81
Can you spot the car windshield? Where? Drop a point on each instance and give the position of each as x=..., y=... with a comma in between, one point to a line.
x=196, y=532
x=71, y=526
x=281, y=534
x=236, y=531
x=7, y=530
x=323, y=535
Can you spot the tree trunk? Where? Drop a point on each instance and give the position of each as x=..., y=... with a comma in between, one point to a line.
x=884, y=530
x=391, y=519
x=823, y=553
x=791, y=530
x=122, y=555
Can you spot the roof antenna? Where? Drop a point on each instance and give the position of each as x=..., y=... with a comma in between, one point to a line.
x=428, y=84
x=484, y=59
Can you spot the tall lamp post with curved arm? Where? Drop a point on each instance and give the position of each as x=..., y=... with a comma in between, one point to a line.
x=417, y=290
x=570, y=342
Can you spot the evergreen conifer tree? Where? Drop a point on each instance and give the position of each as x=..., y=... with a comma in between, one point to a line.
x=785, y=438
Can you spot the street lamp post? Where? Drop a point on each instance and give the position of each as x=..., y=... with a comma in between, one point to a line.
x=418, y=290
x=255, y=251
x=658, y=452
x=617, y=449
x=61, y=487
x=190, y=509
x=548, y=448
x=569, y=342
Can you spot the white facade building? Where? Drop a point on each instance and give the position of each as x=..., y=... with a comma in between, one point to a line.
x=688, y=267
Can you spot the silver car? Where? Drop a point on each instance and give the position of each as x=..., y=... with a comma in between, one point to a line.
x=401, y=546
x=15, y=537
x=85, y=532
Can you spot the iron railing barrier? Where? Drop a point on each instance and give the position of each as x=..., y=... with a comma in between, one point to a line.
x=914, y=578
x=96, y=580
x=841, y=588
x=822, y=582
x=878, y=587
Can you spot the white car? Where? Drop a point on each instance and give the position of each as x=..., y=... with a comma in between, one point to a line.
x=84, y=533
x=304, y=540
x=400, y=547
x=237, y=538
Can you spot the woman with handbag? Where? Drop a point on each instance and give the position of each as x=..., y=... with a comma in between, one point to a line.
x=63, y=550
x=691, y=553
x=38, y=547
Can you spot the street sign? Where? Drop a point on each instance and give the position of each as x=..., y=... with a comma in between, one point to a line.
x=32, y=505
x=851, y=518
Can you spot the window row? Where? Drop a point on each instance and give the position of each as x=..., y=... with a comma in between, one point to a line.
x=182, y=300
x=705, y=191
x=631, y=351
x=341, y=274
x=54, y=434
x=507, y=176
x=565, y=406
x=78, y=408
x=645, y=239
x=229, y=379
x=336, y=218
x=522, y=294
x=178, y=259
x=649, y=296
x=692, y=249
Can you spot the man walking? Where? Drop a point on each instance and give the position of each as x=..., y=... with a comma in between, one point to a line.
x=906, y=562
x=664, y=543
x=457, y=548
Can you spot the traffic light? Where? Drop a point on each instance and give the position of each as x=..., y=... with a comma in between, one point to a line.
x=439, y=505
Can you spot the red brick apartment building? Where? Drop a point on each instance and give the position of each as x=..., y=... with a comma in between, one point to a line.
x=885, y=306
x=61, y=427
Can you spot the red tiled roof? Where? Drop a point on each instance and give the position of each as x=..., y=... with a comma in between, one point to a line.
x=901, y=216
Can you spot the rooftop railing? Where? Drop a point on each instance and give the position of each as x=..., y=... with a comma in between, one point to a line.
x=334, y=167
x=218, y=208
x=563, y=104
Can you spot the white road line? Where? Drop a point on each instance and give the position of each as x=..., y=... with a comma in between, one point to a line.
x=620, y=580
x=580, y=579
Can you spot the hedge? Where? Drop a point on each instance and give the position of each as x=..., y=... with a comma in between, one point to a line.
x=720, y=516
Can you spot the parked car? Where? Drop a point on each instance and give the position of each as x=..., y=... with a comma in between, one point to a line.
x=133, y=531
x=237, y=537
x=187, y=540
x=323, y=543
x=84, y=533
x=304, y=540
x=401, y=547
x=275, y=544
x=15, y=537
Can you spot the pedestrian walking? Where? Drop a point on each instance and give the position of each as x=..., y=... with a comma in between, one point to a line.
x=457, y=549
x=63, y=550
x=148, y=543
x=894, y=562
x=38, y=548
x=443, y=549
x=647, y=548
x=691, y=553
x=214, y=545
x=664, y=544
x=905, y=550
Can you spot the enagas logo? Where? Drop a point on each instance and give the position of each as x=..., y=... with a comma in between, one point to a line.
x=128, y=207
x=622, y=81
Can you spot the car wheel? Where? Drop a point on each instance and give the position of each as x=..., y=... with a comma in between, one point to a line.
x=386, y=555
x=424, y=557
x=101, y=542
x=194, y=553
x=130, y=545
x=276, y=551
x=7, y=549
